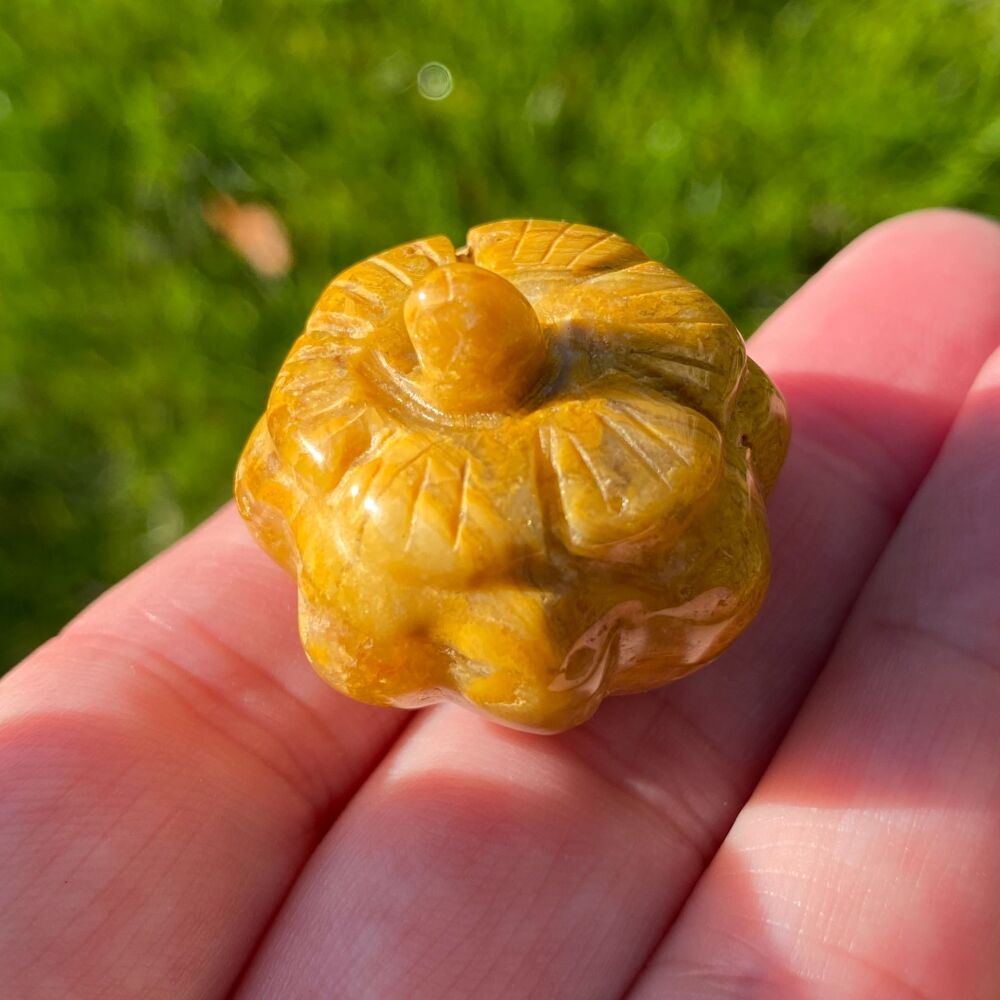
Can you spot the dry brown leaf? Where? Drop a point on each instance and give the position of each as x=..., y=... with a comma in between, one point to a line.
x=255, y=231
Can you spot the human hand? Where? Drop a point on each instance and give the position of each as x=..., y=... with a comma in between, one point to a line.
x=186, y=810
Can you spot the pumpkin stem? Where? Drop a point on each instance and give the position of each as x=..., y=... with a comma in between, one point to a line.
x=477, y=338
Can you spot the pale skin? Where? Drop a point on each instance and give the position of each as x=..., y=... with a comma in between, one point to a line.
x=186, y=811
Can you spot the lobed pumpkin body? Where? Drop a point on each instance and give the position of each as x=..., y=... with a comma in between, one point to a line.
x=522, y=475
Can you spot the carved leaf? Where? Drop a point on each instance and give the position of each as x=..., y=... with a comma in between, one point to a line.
x=365, y=295
x=420, y=509
x=320, y=414
x=537, y=255
x=321, y=420
x=647, y=322
x=627, y=470
x=644, y=319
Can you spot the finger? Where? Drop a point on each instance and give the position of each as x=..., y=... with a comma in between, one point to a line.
x=166, y=766
x=866, y=863
x=478, y=862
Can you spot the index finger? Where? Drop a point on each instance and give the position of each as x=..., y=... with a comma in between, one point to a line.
x=167, y=764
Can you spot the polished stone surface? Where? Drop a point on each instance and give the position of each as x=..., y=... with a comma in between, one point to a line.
x=522, y=475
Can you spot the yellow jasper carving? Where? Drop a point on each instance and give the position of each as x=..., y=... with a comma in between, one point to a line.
x=522, y=475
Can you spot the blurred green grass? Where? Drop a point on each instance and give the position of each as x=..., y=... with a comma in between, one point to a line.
x=743, y=142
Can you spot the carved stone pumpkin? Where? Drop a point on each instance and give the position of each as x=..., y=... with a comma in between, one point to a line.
x=521, y=475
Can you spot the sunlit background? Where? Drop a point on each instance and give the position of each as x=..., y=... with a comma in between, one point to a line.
x=178, y=180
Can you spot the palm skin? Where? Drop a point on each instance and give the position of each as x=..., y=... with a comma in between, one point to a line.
x=187, y=811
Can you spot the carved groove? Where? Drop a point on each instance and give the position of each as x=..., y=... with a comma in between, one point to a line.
x=411, y=516
x=556, y=240
x=463, y=501
x=679, y=359
x=429, y=253
x=658, y=436
x=402, y=468
x=393, y=271
x=588, y=461
x=636, y=450
x=593, y=246
x=520, y=240
x=359, y=292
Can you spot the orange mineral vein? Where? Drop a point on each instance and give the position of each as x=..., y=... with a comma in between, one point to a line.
x=521, y=475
